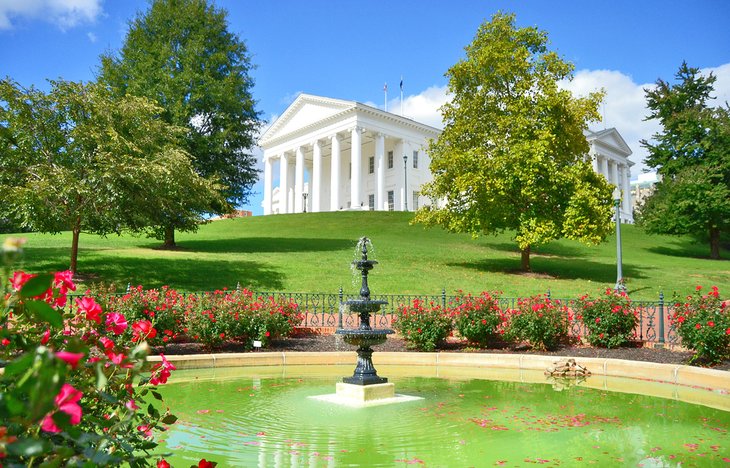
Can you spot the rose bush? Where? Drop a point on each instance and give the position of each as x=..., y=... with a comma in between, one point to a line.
x=609, y=319
x=73, y=391
x=423, y=327
x=703, y=323
x=538, y=320
x=477, y=318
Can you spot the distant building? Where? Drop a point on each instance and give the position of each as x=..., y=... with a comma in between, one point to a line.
x=642, y=187
x=332, y=155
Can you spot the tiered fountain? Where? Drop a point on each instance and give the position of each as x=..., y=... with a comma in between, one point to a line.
x=365, y=387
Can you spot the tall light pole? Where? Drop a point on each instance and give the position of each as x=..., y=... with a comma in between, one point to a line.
x=304, y=195
x=405, y=181
x=619, y=273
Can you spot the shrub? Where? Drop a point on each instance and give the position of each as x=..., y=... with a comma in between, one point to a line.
x=72, y=391
x=703, y=323
x=422, y=327
x=609, y=319
x=238, y=315
x=477, y=318
x=539, y=320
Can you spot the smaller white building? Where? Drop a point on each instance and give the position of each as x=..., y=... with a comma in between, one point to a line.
x=332, y=154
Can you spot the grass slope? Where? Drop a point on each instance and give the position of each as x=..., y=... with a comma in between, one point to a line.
x=312, y=252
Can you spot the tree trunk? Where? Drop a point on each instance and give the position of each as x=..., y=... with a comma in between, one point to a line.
x=169, y=237
x=526, y=258
x=75, y=246
x=715, y=243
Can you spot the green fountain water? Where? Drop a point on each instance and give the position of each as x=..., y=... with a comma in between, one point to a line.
x=263, y=417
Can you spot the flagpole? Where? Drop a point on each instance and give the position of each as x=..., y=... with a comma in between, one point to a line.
x=385, y=90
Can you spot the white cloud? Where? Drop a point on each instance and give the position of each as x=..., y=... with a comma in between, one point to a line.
x=92, y=37
x=423, y=107
x=65, y=14
x=625, y=104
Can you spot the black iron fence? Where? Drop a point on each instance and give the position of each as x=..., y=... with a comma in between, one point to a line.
x=326, y=310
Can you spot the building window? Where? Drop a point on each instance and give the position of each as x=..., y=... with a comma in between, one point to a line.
x=391, y=200
x=371, y=202
x=390, y=160
x=415, y=200
x=371, y=165
x=415, y=160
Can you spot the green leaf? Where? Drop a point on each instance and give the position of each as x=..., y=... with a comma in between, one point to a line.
x=19, y=365
x=36, y=285
x=42, y=311
x=29, y=447
x=101, y=378
x=157, y=395
x=169, y=419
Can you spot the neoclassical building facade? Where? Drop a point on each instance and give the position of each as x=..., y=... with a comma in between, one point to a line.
x=331, y=155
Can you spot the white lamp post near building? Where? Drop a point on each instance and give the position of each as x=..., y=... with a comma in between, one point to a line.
x=619, y=273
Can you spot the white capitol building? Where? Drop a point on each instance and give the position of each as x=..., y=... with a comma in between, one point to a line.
x=332, y=154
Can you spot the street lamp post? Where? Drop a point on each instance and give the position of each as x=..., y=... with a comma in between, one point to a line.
x=304, y=195
x=405, y=181
x=619, y=273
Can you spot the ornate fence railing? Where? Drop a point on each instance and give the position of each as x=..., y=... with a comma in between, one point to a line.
x=326, y=310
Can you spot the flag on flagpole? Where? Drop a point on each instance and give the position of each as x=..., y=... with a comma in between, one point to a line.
x=385, y=90
x=401, y=95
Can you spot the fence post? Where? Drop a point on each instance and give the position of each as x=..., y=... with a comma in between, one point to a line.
x=339, y=310
x=661, y=317
x=443, y=298
x=548, y=293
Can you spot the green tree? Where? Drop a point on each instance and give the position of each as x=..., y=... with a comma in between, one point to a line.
x=78, y=159
x=181, y=54
x=692, y=154
x=512, y=153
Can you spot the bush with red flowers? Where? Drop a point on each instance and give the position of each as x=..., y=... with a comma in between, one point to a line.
x=539, y=320
x=610, y=318
x=73, y=390
x=477, y=318
x=422, y=326
x=703, y=323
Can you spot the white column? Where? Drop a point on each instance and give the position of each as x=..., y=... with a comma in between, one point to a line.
x=268, y=182
x=315, y=183
x=380, y=165
x=299, y=181
x=335, y=174
x=614, y=175
x=356, y=161
x=604, y=168
x=283, y=184
x=627, y=191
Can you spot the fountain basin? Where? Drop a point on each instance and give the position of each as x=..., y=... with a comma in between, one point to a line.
x=261, y=416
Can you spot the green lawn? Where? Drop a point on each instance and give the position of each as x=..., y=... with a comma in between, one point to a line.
x=312, y=253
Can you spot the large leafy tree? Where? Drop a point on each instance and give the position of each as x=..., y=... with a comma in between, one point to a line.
x=692, y=154
x=512, y=153
x=78, y=159
x=181, y=54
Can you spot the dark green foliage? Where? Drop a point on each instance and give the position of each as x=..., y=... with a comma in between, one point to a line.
x=692, y=154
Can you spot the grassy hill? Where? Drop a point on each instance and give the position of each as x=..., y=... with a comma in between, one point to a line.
x=312, y=253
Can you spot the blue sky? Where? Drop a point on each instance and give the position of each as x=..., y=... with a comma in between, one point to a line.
x=348, y=50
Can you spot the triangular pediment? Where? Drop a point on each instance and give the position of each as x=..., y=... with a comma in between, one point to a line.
x=305, y=111
x=611, y=137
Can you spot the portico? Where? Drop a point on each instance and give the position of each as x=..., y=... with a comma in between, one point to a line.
x=343, y=155
x=610, y=155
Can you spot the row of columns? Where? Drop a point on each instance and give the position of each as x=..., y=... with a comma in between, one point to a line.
x=619, y=175
x=316, y=185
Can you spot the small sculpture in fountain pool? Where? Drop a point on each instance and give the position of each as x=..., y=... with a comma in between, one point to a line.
x=364, y=335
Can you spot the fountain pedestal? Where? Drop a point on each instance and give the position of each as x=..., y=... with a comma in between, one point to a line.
x=365, y=387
